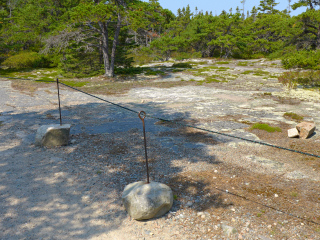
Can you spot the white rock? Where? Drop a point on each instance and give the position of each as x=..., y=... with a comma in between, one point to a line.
x=145, y=201
x=53, y=135
x=228, y=230
x=293, y=132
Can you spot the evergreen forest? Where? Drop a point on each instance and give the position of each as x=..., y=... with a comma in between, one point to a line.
x=87, y=38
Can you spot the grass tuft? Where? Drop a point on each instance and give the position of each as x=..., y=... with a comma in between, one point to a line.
x=293, y=116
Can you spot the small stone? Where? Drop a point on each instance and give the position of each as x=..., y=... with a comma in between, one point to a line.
x=203, y=216
x=189, y=204
x=305, y=129
x=200, y=213
x=228, y=230
x=293, y=132
x=276, y=195
x=269, y=226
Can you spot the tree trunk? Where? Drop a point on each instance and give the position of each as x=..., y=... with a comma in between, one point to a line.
x=114, y=46
x=105, y=46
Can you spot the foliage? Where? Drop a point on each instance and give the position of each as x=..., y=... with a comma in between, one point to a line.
x=302, y=59
x=305, y=78
x=86, y=38
x=27, y=60
x=265, y=127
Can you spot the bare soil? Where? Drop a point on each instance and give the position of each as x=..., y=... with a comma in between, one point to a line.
x=224, y=188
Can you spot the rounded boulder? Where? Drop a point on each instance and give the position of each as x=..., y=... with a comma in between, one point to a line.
x=147, y=200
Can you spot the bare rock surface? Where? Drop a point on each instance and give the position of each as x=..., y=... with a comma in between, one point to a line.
x=74, y=192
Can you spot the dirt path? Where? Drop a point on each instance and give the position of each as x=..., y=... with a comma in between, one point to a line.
x=74, y=192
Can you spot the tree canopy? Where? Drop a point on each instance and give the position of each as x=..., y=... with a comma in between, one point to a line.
x=95, y=37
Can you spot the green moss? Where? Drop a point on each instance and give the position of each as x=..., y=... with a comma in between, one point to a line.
x=181, y=65
x=273, y=76
x=197, y=63
x=222, y=62
x=293, y=116
x=149, y=72
x=267, y=94
x=242, y=64
x=74, y=83
x=294, y=194
x=45, y=80
x=212, y=79
x=255, y=72
x=265, y=127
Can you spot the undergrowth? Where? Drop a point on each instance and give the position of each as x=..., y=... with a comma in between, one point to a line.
x=304, y=78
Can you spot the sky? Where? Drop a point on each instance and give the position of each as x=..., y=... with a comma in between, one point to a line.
x=216, y=6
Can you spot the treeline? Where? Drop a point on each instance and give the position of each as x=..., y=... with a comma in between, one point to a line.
x=85, y=37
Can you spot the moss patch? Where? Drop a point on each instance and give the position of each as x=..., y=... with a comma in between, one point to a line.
x=265, y=127
x=182, y=65
x=74, y=83
x=293, y=116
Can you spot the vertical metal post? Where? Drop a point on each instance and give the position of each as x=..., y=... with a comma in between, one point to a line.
x=145, y=141
x=59, y=101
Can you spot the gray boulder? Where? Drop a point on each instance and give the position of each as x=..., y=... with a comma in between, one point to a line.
x=53, y=135
x=145, y=201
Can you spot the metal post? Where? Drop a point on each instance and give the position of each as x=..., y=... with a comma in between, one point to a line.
x=145, y=141
x=59, y=101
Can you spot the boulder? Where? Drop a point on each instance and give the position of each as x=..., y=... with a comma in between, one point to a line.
x=53, y=135
x=293, y=132
x=305, y=129
x=145, y=201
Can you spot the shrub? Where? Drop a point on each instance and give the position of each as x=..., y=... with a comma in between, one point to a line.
x=306, y=78
x=182, y=65
x=302, y=59
x=27, y=60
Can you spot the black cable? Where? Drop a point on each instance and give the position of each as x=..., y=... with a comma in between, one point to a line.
x=181, y=124
x=202, y=129
x=273, y=208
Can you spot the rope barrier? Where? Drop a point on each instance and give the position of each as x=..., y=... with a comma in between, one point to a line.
x=181, y=124
x=273, y=208
x=202, y=129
